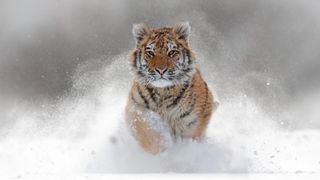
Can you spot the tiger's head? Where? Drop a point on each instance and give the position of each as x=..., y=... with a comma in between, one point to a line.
x=162, y=57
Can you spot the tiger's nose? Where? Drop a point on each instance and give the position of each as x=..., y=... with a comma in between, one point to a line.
x=161, y=71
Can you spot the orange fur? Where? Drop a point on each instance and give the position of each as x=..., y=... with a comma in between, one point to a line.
x=182, y=109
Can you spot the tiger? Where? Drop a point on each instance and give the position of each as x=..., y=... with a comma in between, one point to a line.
x=168, y=99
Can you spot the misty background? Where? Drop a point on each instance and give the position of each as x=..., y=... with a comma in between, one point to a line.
x=59, y=60
x=265, y=49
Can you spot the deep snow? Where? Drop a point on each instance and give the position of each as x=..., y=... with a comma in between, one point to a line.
x=61, y=111
x=87, y=135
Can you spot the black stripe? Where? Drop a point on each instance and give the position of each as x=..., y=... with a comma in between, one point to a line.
x=134, y=64
x=143, y=98
x=139, y=59
x=175, y=101
x=191, y=123
x=140, y=73
x=186, y=70
x=189, y=56
x=187, y=113
x=168, y=88
x=207, y=95
x=151, y=94
x=168, y=97
x=184, y=56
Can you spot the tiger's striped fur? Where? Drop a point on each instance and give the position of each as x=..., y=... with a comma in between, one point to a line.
x=168, y=98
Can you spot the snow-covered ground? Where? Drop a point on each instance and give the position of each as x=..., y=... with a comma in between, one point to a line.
x=261, y=58
x=87, y=134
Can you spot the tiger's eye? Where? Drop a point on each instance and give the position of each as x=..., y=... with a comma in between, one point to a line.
x=150, y=53
x=172, y=53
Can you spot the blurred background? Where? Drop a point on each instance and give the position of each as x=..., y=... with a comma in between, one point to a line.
x=64, y=74
x=268, y=50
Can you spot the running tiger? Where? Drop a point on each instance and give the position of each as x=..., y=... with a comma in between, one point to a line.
x=168, y=99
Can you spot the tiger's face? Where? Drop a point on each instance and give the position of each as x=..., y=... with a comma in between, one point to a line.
x=162, y=57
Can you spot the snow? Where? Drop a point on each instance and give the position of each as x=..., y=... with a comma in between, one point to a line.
x=87, y=134
x=163, y=176
x=83, y=134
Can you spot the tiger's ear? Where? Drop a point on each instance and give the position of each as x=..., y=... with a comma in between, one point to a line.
x=182, y=30
x=139, y=31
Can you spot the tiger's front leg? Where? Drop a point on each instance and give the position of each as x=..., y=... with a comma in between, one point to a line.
x=148, y=128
